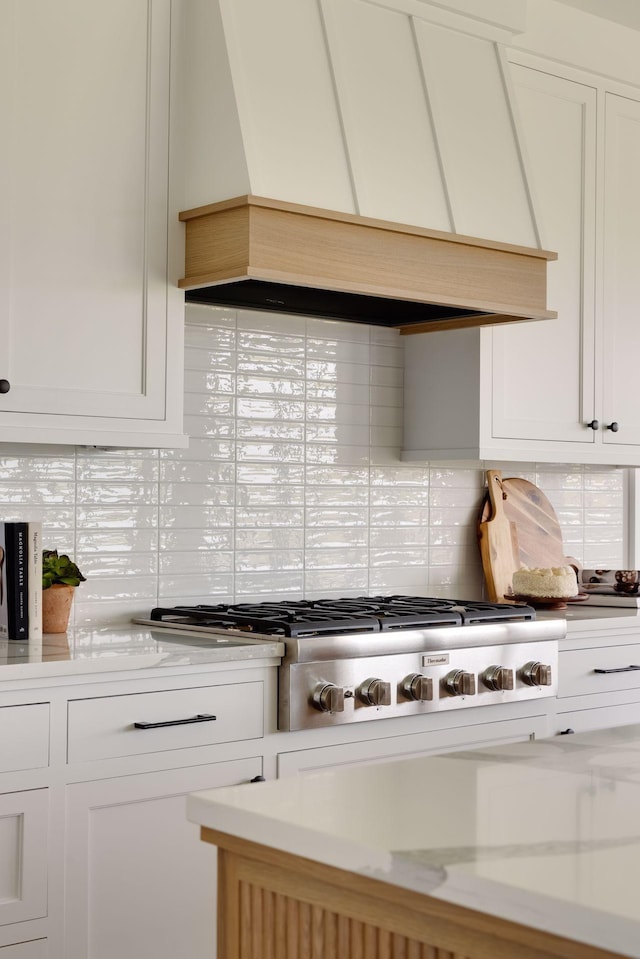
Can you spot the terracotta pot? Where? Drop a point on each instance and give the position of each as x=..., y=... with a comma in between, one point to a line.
x=56, y=607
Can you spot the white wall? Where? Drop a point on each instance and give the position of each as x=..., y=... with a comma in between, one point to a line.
x=291, y=486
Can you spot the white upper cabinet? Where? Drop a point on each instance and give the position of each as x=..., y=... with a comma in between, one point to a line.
x=551, y=391
x=90, y=331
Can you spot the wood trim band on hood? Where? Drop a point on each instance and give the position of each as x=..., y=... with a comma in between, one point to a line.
x=285, y=257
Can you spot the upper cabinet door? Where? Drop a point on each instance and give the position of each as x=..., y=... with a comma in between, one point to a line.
x=84, y=305
x=619, y=348
x=543, y=373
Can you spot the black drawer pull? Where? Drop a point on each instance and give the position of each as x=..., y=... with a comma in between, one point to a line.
x=618, y=669
x=200, y=718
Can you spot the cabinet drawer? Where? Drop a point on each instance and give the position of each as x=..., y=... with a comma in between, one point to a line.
x=602, y=669
x=24, y=737
x=600, y=717
x=113, y=726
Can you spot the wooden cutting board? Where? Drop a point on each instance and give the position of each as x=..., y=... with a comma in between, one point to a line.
x=498, y=540
x=537, y=539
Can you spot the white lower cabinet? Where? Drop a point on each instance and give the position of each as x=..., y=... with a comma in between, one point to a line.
x=23, y=855
x=138, y=879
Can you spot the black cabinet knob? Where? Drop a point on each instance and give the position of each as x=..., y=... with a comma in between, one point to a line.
x=5, y=386
x=613, y=427
x=594, y=425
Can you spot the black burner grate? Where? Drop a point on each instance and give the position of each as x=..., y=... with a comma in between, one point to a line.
x=369, y=614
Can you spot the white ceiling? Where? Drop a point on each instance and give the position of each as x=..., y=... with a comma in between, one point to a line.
x=626, y=12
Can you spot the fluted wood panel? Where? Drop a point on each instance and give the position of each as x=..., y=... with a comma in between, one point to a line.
x=276, y=926
x=276, y=905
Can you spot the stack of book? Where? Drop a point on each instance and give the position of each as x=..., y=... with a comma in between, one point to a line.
x=21, y=580
x=611, y=587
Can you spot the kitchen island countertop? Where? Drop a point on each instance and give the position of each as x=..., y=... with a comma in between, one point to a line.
x=544, y=834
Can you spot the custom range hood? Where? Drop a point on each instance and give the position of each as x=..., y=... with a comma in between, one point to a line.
x=345, y=156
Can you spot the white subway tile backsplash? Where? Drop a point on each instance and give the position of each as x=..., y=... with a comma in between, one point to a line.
x=272, y=326
x=268, y=516
x=270, y=495
x=336, y=350
x=383, y=537
x=197, y=471
x=333, y=375
x=265, y=430
x=115, y=494
x=196, y=494
x=398, y=557
x=105, y=541
x=116, y=517
x=326, y=454
x=194, y=587
x=263, y=560
x=319, y=558
x=291, y=484
x=278, y=367
x=258, y=586
x=400, y=516
x=341, y=537
x=201, y=449
x=212, y=427
x=399, y=496
x=195, y=360
x=335, y=583
x=269, y=539
x=318, y=328
x=188, y=540
x=203, y=382
x=270, y=452
x=210, y=405
x=194, y=562
x=343, y=516
x=195, y=517
x=279, y=345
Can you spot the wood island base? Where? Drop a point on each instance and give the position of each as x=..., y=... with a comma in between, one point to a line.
x=273, y=905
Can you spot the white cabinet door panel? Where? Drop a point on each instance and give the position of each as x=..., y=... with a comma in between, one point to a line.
x=84, y=311
x=543, y=373
x=23, y=855
x=139, y=882
x=621, y=290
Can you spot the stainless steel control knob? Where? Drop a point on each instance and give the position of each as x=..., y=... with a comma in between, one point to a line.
x=498, y=678
x=459, y=683
x=418, y=688
x=536, y=674
x=328, y=698
x=375, y=692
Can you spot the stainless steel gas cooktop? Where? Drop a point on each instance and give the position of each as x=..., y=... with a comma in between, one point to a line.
x=373, y=657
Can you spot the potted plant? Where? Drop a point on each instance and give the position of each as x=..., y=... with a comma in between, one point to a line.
x=60, y=576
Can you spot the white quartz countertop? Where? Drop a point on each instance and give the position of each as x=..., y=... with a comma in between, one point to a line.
x=543, y=833
x=134, y=647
